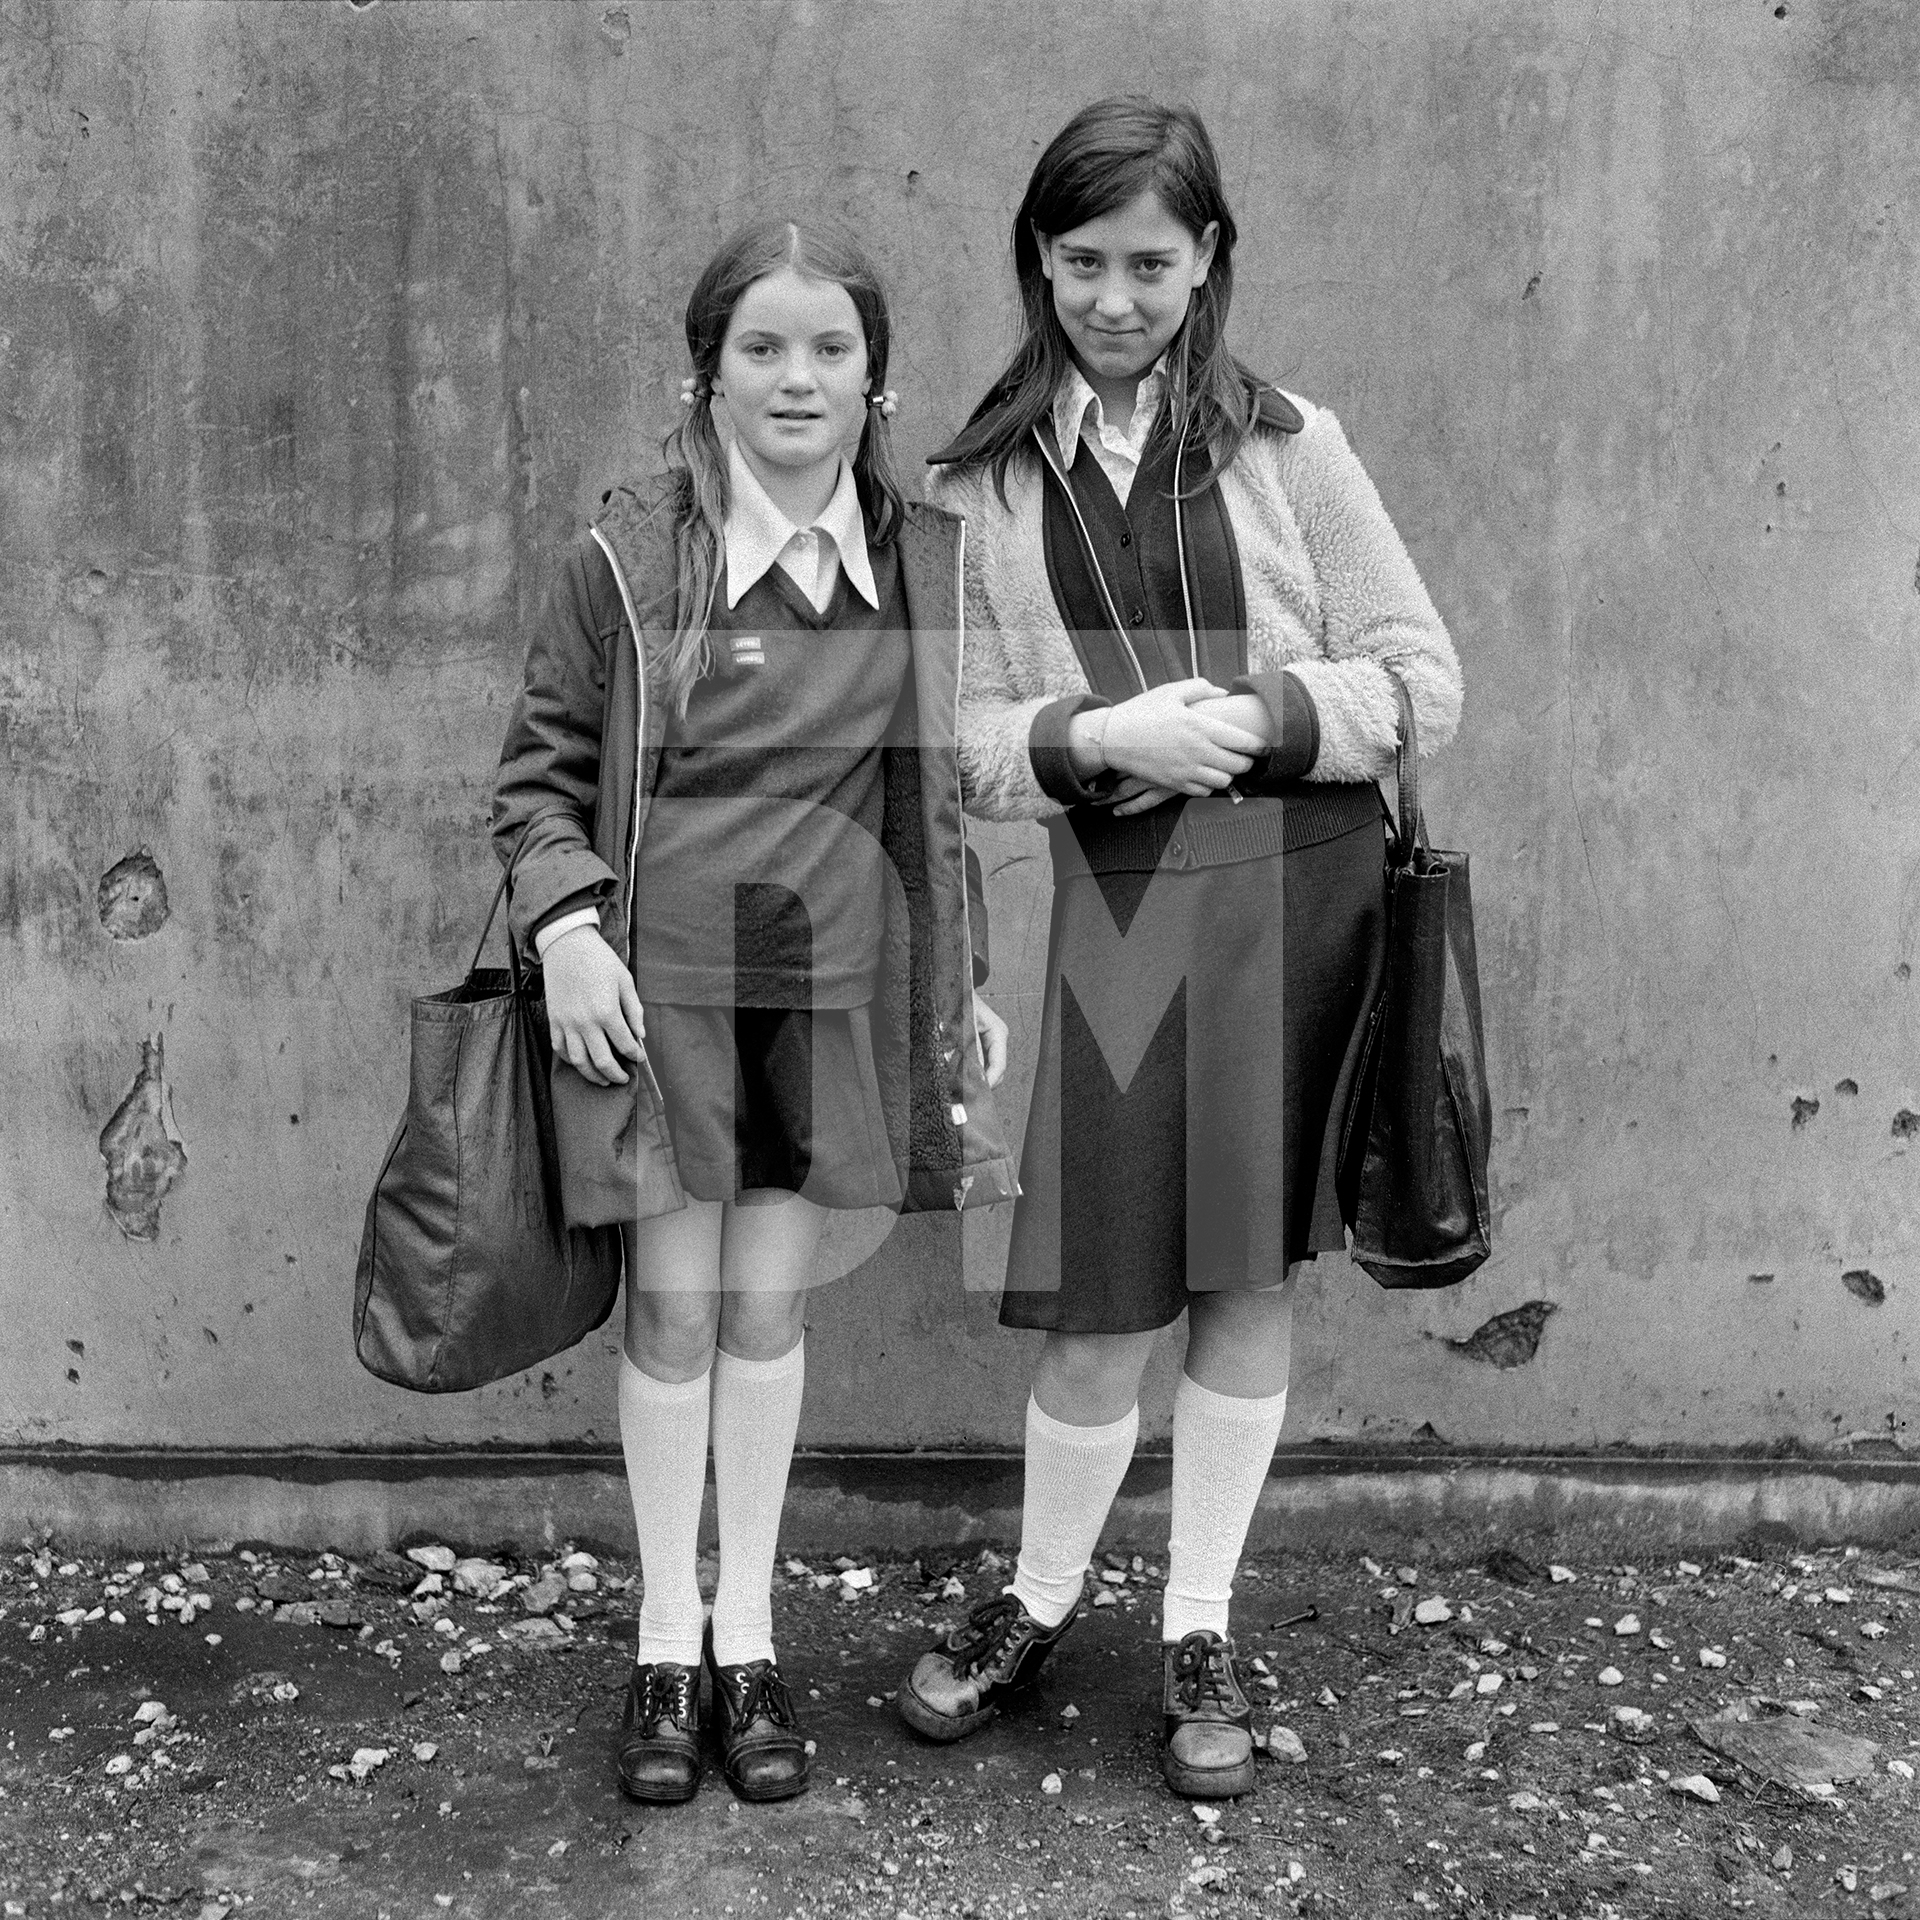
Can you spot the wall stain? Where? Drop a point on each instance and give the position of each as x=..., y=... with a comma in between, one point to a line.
x=1760, y=1279
x=1864, y=1286
x=142, y=1147
x=1846, y=1088
x=1906, y=1123
x=1509, y=1339
x=1803, y=1110
x=132, y=897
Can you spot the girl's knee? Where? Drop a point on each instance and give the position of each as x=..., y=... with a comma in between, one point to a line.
x=762, y=1326
x=1090, y=1379
x=1241, y=1343
x=672, y=1335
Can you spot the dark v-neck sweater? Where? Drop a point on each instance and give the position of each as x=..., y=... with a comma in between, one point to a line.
x=760, y=871
x=1136, y=551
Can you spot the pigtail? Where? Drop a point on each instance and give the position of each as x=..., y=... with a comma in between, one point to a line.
x=874, y=473
x=700, y=519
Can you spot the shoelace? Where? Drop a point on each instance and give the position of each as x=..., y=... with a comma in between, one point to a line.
x=1201, y=1674
x=763, y=1694
x=665, y=1696
x=989, y=1627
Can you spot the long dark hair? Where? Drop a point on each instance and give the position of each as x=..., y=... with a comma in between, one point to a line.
x=1106, y=156
x=694, y=448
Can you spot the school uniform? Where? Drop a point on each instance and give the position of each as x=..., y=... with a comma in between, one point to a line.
x=1211, y=961
x=782, y=867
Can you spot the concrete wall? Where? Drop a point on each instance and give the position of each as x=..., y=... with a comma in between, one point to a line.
x=321, y=327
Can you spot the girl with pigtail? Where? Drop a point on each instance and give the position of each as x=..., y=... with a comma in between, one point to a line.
x=730, y=800
x=1192, y=625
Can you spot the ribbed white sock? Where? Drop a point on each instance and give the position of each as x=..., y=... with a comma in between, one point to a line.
x=756, y=1412
x=1222, y=1448
x=1072, y=1475
x=663, y=1434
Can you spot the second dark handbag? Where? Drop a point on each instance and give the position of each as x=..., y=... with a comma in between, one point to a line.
x=1416, y=1141
x=467, y=1269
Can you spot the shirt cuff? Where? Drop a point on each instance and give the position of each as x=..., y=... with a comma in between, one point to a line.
x=1296, y=726
x=544, y=937
x=1052, y=763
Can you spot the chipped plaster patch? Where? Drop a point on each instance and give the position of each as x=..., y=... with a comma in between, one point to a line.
x=142, y=1147
x=132, y=897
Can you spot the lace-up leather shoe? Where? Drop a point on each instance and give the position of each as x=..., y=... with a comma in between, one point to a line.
x=1209, y=1726
x=764, y=1753
x=959, y=1686
x=660, y=1734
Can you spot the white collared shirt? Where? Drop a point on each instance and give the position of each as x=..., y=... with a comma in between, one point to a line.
x=1118, y=452
x=760, y=536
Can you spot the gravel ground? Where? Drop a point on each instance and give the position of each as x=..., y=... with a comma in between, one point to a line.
x=234, y=1731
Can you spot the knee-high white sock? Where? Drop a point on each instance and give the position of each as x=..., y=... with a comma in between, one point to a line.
x=663, y=1434
x=1222, y=1448
x=1072, y=1475
x=756, y=1412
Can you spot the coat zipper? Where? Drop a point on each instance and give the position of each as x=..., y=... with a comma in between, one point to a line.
x=639, y=766
x=957, y=1107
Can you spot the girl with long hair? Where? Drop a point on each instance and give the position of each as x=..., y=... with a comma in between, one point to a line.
x=731, y=782
x=1189, y=611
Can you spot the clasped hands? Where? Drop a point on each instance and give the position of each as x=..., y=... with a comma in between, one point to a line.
x=1187, y=737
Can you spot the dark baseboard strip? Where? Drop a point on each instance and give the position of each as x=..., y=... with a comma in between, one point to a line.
x=104, y=1498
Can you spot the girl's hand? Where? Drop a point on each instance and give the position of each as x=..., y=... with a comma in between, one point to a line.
x=991, y=1033
x=1134, y=795
x=593, y=1007
x=1246, y=710
x=1163, y=737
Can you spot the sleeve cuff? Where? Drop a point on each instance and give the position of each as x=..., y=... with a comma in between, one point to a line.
x=565, y=921
x=1296, y=727
x=1052, y=764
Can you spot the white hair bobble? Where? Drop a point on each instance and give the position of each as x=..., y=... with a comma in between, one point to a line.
x=693, y=389
x=888, y=403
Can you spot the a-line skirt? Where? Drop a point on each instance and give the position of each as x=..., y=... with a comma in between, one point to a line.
x=1200, y=1037
x=774, y=1098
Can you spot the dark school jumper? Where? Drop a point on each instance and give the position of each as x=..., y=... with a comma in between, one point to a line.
x=758, y=954
x=1210, y=962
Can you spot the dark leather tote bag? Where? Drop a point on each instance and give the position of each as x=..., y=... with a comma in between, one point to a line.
x=467, y=1270
x=1414, y=1151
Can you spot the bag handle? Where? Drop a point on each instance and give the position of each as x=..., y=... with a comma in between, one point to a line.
x=1412, y=833
x=504, y=891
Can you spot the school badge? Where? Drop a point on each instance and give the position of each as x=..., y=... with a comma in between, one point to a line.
x=749, y=650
